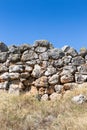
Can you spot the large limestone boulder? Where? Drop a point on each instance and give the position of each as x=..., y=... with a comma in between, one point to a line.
x=82, y=69
x=13, y=76
x=80, y=78
x=54, y=79
x=72, y=52
x=3, y=56
x=3, y=47
x=14, y=57
x=55, y=54
x=16, y=68
x=43, y=43
x=24, y=47
x=41, y=82
x=65, y=48
x=50, y=71
x=67, y=59
x=29, y=55
x=70, y=69
x=24, y=75
x=78, y=60
x=36, y=71
x=4, y=85
x=58, y=63
x=40, y=49
x=58, y=88
x=67, y=78
x=43, y=56
x=31, y=62
x=3, y=68
x=14, y=88
x=4, y=76
x=9, y=76
x=28, y=68
x=14, y=49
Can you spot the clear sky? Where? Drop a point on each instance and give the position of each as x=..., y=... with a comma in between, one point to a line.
x=59, y=21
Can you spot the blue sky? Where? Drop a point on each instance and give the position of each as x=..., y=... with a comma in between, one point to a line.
x=59, y=21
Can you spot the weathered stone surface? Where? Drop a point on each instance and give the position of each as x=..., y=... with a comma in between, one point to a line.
x=28, y=68
x=14, y=57
x=82, y=69
x=13, y=76
x=3, y=47
x=65, y=72
x=45, y=64
x=44, y=97
x=67, y=59
x=9, y=76
x=67, y=78
x=72, y=52
x=58, y=88
x=78, y=60
x=79, y=99
x=31, y=63
x=4, y=76
x=55, y=96
x=58, y=63
x=50, y=71
x=4, y=85
x=65, y=48
x=3, y=57
x=14, y=49
x=21, y=86
x=3, y=68
x=43, y=43
x=40, y=49
x=14, y=89
x=80, y=78
x=54, y=79
x=29, y=55
x=38, y=61
x=16, y=68
x=41, y=82
x=36, y=71
x=24, y=47
x=70, y=69
x=24, y=75
x=17, y=63
x=55, y=54
x=43, y=56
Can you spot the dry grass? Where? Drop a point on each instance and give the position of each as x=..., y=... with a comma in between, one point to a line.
x=25, y=113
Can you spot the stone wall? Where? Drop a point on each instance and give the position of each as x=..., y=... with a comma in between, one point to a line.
x=41, y=69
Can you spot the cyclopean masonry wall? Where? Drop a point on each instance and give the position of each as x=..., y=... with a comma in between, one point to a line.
x=41, y=69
